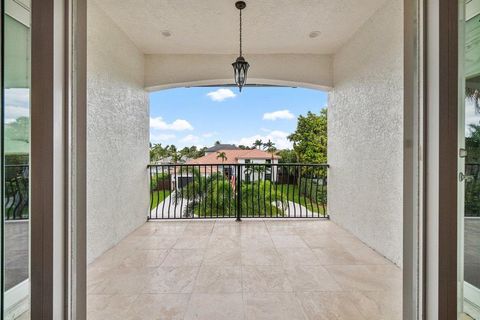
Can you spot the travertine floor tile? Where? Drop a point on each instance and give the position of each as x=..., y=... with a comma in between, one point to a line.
x=159, y=307
x=145, y=258
x=330, y=306
x=311, y=278
x=250, y=270
x=183, y=257
x=288, y=241
x=207, y=306
x=172, y=280
x=366, y=277
x=112, y=307
x=377, y=305
x=222, y=256
x=219, y=279
x=265, y=279
x=297, y=256
x=255, y=256
x=275, y=306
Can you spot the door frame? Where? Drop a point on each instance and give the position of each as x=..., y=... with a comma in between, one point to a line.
x=58, y=159
x=441, y=147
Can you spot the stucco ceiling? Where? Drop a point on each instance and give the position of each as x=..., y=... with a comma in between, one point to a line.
x=211, y=26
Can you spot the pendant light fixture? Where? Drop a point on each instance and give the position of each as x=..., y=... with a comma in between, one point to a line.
x=240, y=66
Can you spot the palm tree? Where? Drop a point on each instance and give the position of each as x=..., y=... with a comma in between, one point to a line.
x=174, y=154
x=222, y=155
x=270, y=147
x=258, y=143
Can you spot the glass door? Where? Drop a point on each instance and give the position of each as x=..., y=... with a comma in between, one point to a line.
x=16, y=159
x=469, y=159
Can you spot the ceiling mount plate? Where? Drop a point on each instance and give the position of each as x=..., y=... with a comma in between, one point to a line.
x=240, y=5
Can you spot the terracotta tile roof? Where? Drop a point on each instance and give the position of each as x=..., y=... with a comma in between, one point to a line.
x=233, y=156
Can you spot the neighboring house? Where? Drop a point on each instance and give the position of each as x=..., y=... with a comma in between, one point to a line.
x=210, y=163
x=221, y=147
x=169, y=160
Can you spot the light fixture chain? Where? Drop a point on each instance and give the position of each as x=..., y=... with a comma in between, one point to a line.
x=240, y=33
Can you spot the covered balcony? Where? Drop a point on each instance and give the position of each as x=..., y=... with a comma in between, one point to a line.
x=330, y=248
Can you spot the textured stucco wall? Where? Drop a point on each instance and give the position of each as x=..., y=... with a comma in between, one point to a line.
x=118, y=135
x=365, y=132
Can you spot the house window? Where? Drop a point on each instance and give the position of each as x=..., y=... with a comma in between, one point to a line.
x=268, y=170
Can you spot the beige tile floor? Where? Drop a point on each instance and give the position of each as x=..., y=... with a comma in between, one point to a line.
x=250, y=270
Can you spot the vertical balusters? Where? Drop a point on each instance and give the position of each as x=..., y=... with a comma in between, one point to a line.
x=157, y=192
x=151, y=193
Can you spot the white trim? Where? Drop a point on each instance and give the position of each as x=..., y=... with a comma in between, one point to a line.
x=471, y=300
x=472, y=8
x=19, y=11
x=17, y=300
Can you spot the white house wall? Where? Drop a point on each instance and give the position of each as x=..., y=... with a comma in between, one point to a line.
x=118, y=135
x=164, y=71
x=365, y=133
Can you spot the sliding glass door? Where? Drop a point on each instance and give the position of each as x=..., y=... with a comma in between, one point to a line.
x=16, y=158
x=469, y=159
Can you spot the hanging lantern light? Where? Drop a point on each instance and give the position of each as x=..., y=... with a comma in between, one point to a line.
x=240, y=66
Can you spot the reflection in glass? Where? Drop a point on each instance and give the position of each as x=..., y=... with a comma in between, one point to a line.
x=470, y=231
x=16, y=155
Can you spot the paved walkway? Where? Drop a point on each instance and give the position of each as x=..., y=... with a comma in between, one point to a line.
x=249, y=270
x=172, y=211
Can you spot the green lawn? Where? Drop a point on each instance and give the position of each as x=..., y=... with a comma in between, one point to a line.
x=157, y=197
x=294, y=196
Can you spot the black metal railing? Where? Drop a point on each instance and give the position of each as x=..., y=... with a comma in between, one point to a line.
x=192, y=191
x=16, y=192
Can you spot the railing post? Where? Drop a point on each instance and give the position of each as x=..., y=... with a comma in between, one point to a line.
x=239, y=192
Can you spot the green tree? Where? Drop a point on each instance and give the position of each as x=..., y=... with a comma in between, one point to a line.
x=472, y=144
x=269, y=146
x=174, y=154
x=287, y=156
x=222, y=156
x=310, y=138
x=258, y=144
x=157, y=152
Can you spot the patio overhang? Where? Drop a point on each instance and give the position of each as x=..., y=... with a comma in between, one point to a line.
x=165, y=71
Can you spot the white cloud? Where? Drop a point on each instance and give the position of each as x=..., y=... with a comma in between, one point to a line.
x=221, y=94
x=209, y=134
x=18, y=97
x=14, y=112
x=158, y=138
x=190, y=139
x=178, y=125
x=276, y=136
x=17, y=104
x=280, y=114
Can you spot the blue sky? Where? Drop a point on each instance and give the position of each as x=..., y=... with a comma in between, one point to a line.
x=201, y=116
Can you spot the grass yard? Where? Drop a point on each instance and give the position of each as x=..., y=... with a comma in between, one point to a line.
x=295, y=196
x=157, y=197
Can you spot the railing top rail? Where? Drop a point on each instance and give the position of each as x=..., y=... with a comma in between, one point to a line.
x=238, y=164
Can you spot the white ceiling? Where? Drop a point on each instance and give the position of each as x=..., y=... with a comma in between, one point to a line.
x=211, y=26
